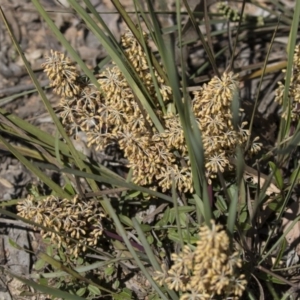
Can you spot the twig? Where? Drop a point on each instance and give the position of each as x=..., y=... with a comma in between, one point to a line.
x=14, y=222
x=18, y=89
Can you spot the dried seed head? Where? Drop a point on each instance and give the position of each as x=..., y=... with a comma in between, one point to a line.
x=208, y=270
x=62, y=73
x=68, y=218
x=212, y=108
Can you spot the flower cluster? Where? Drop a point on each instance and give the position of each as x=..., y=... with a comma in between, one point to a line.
x=75, y=224
x=210, y=271
x=294, y=89
x=79, y=99
x=115, y=115
x=62, y=73
x=212, y=108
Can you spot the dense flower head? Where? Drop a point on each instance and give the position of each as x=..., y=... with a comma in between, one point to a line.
x=70, y=219
x=212, y=108
x=62, y=73
x=210, y=271
x=294, y=89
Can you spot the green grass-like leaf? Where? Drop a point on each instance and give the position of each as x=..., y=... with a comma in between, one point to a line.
x=44, y=289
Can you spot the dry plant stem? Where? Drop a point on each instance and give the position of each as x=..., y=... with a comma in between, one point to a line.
x=255, y=74
x=15, y=223
x=269, y=69
x=18, y=89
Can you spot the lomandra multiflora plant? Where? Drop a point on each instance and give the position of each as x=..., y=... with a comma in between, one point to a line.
x=113, y=114
x=157, y=159
x=208, y=271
